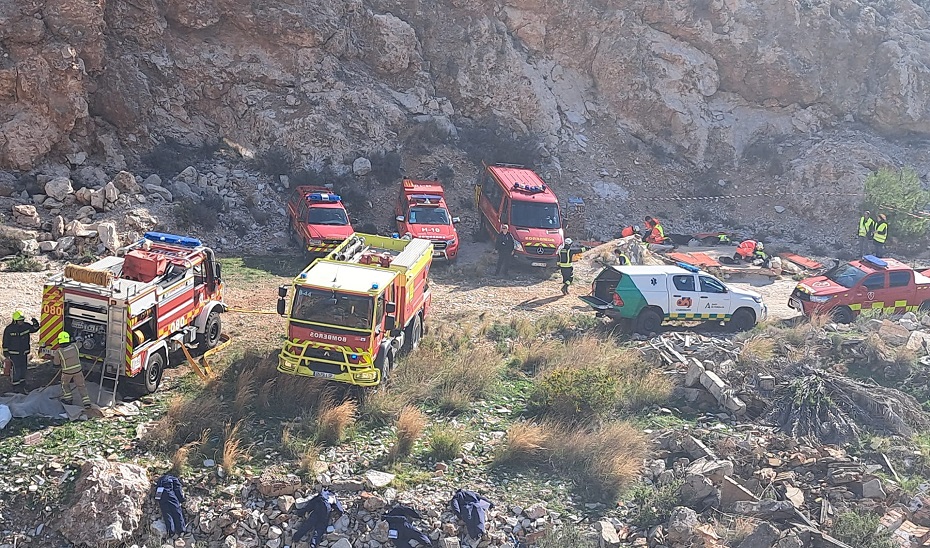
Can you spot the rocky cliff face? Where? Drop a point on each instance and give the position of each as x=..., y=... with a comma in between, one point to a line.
x=772, y=96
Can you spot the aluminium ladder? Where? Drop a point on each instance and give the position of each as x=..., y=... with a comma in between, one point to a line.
x=114, y=361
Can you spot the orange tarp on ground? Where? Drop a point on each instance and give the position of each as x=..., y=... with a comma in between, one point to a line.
x=695, y=259
x=801, y=261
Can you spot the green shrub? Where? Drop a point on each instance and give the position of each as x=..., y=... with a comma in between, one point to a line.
x=205, y=213
x=575, y=394
x=500, y=332
x=655, y=504
x=445, y=443
x=22, y=263
x=861, y=529
x=563, y=537
x=898, y=193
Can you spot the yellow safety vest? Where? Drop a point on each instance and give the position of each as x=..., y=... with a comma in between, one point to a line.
x=881, y=232
x=661, y=230
x=565, y=257
x=69, y=359
x=624, y=258
x=865, y=225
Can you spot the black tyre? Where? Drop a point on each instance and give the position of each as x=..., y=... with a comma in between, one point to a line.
x=743, y=320
x=484, y=231
x=413, y=334
x=154, y=369
x=384, y=362
x=212, y=332
x=841, y=314
x=924, y=307
x=649, y=321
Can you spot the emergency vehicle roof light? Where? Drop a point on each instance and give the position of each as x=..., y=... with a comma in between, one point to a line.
x=428, y=197
x=323, y=197
x=872, y=259
x=529, y=188
x=183, y=241
x=688, y=267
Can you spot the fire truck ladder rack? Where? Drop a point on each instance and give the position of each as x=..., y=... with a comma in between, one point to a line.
x=114, y=361
x=202, y=366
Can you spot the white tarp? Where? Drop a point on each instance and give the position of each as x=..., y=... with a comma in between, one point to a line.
x=5, y=416
x=45, y=402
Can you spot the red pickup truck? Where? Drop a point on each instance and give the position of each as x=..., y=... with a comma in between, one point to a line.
x=848, y=289
x=318, y=219
x=421, y=211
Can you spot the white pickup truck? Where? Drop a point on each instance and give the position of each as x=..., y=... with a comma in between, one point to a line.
x=649, y=295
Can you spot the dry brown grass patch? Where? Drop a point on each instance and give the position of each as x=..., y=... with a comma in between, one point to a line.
x=410, y=426
x=452, y=379
x=334, y=420
x=757, y=349
x=524, y=444
x=234, y=449
x=186, y=418
x=245, y=393
x=383, y=406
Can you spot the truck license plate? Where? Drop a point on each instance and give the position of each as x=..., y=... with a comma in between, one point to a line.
x=794, y=303
x=538, y=264
x=323, y=375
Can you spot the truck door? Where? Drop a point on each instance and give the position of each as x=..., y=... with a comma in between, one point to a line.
x=873, y=292
x=683, y=296
x=714, y=297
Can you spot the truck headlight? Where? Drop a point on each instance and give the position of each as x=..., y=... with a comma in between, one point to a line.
x=517, y=246
x=757, y=299
x=450, y=242
x=820, y=298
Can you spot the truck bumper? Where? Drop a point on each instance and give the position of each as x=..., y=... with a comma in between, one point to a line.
x=359, y=375
x=540, y=261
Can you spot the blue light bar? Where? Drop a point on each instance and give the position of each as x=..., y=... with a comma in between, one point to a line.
x=688, y=267
x=182, y=241
x=324, y=197
x=435, y=197
x=875, y=261
x=529, y=188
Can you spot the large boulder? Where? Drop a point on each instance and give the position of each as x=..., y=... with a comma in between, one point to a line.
x=108, y=509
x=108, y=236
x=140, y=219
x=27, y=216
x=126, y=182
x=59, y=188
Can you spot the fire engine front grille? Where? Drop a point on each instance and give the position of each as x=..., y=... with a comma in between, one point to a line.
x=439, y=245
x=539, y=250
x=323, y=367
x=323, y=354
x=800, y=295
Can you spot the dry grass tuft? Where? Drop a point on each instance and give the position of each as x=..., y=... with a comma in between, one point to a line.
x=334, y=420
x=410, y=425
x=234, y=449
x=245, y=393
x=524, y=444
x=757, y=349
x=450, y=378
x=309, y=460
x=186, y=419
x=445, y=442
x=383, y=406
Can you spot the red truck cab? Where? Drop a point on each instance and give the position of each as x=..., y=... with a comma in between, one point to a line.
x=870, y=283
x=517, y=197
x=422, y=212
x=318, y=219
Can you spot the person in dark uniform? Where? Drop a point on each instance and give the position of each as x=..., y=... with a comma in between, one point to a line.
x=565, y=261
x=16, y=347
x=320, y=511
x=504, y=246
x=170, y=497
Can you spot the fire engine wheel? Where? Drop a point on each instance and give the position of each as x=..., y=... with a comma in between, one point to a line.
x=384, y=361
x=649, y=321
x=842, y=314
x=154, y=369
x=212, y=331
x=485, y=231
x=924, y=307
x=413, y=335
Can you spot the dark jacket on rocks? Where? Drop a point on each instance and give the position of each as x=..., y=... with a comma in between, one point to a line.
x=471, y=508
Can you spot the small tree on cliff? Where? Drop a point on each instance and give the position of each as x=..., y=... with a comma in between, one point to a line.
x=898, y=193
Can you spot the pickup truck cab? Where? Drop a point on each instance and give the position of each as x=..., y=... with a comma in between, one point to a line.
x=318, y=219
x=421, y=211
x=870, y=283
x=649, y=295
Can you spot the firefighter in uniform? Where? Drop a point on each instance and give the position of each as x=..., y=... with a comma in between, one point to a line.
x=564, y=257
x=866, y=228
x=880, y=235
x=505, y=246
x=69, y=360
x=16, y=346
x=170, y=497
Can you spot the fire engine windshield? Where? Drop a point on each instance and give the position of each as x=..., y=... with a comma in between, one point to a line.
x=327, y=216
x=846, y=275
x=327, y=307
x=535, y=215
x=425, y=215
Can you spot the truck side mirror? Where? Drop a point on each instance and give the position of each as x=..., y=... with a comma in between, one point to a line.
x=218, y=268
x=456, y=220
x=400, y=218
x=391, y=308
x=282, y=291
x=389, y=323
x=282, y=305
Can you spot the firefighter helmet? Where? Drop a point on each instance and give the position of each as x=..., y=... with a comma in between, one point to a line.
x=568, y=242
x=64, y=338
x=17, y=315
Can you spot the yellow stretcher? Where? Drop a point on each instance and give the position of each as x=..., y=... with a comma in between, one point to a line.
x=202, y=365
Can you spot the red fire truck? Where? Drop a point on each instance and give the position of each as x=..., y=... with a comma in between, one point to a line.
x=354, y=310
x=127, y=313
x=519, y=198
x=849, y=289
x=422, y=212
x=318, y=219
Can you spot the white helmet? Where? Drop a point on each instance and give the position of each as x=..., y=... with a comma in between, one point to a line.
x=760, y=246
x=568, y=241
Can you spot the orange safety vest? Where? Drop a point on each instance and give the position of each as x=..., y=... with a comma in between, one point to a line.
x=628, y=231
